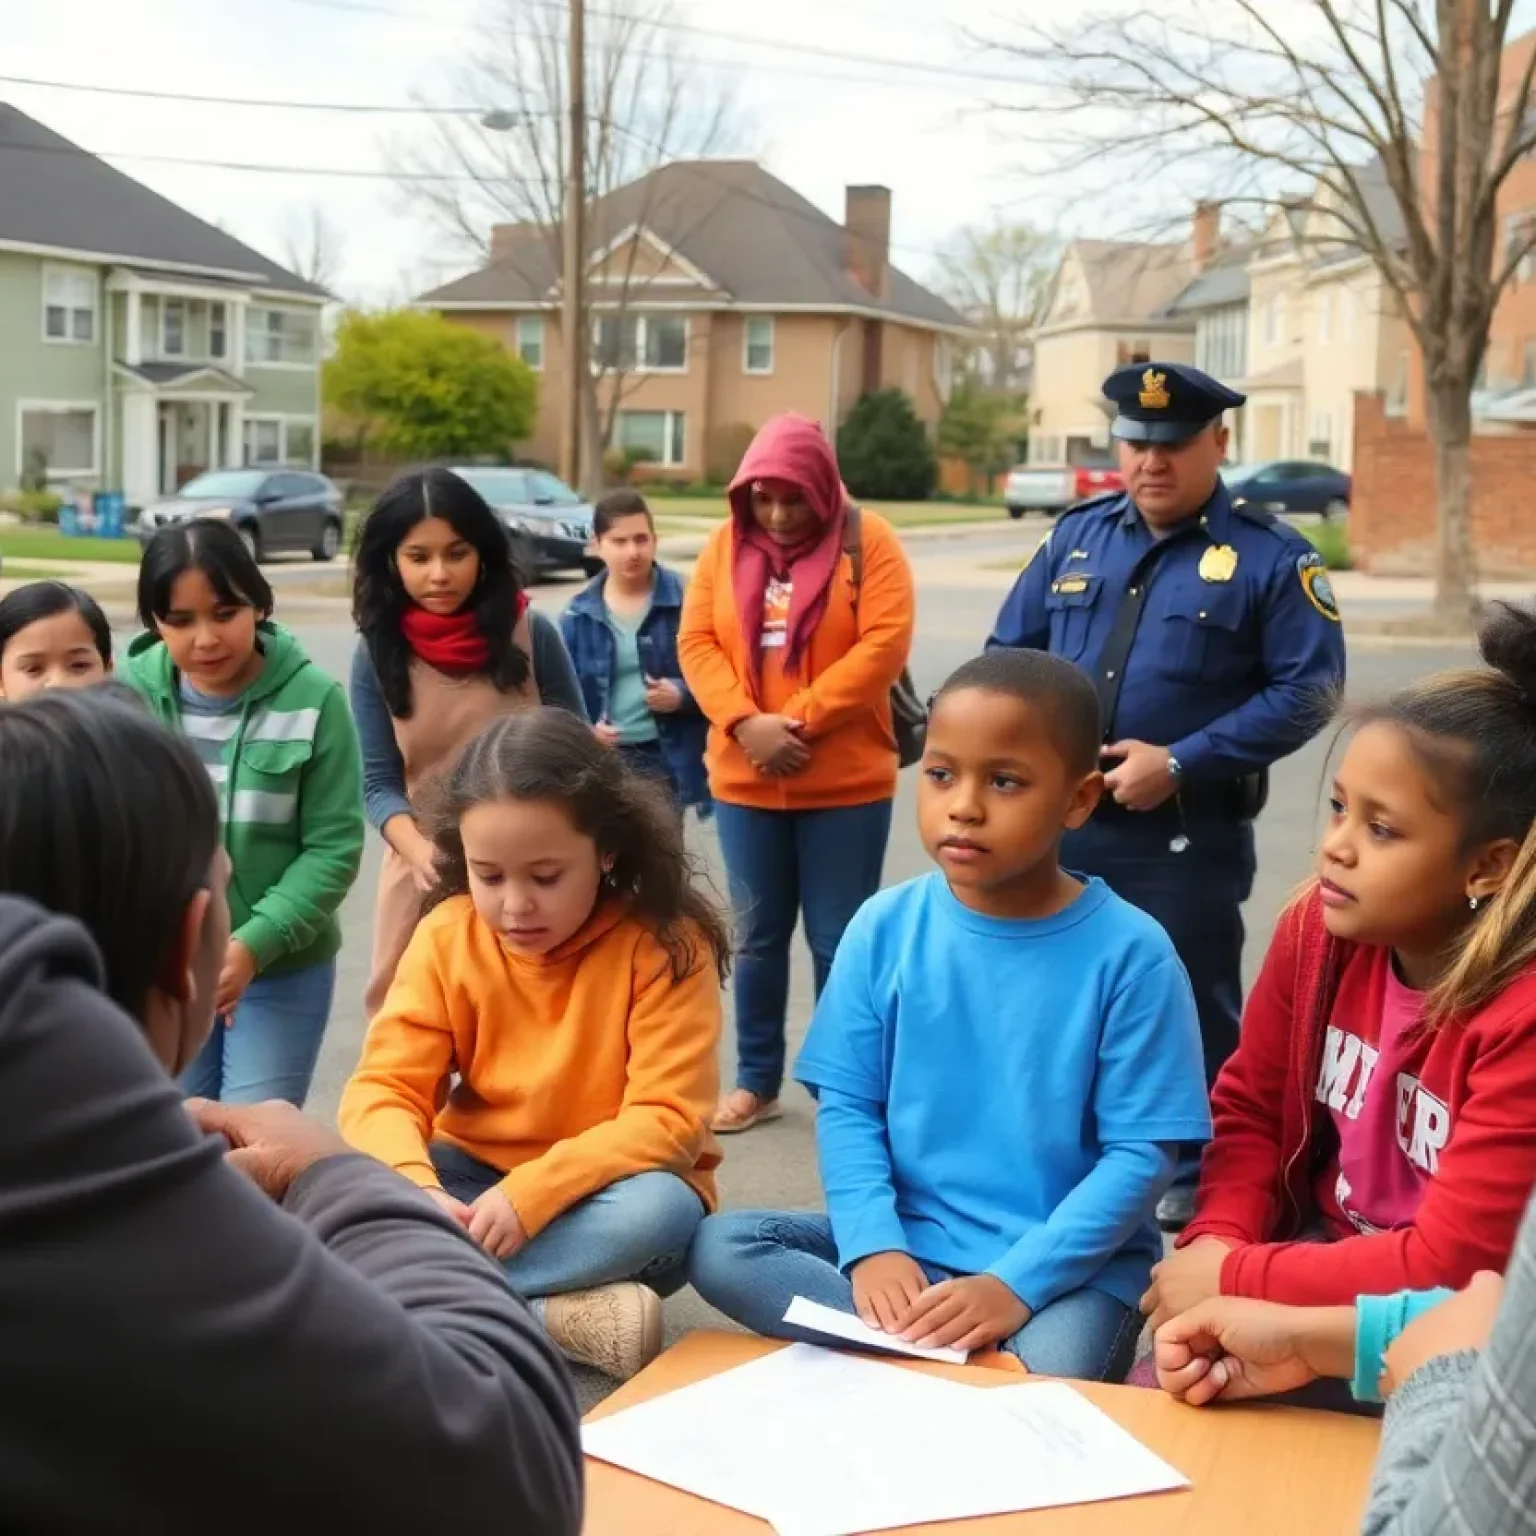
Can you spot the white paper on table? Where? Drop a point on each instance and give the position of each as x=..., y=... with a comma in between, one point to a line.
x=814, y=1317
x=826, y=1444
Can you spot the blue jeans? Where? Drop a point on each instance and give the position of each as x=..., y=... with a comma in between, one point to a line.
x=637, y=1229
x=270, y=1050
x=751, y=1264
x=780, y=863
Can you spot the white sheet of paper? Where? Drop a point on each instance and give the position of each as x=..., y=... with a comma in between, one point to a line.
x=825, y=1444
x=816, y=1318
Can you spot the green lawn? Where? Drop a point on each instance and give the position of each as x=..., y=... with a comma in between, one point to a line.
x=698, y=514
x=42, y=542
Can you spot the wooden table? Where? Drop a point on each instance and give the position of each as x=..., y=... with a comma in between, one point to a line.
x=1255, y=1470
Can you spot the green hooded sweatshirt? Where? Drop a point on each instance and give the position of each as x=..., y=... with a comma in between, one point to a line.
x=285, y=762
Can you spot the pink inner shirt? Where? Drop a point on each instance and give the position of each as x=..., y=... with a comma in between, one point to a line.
x=1377, y=1187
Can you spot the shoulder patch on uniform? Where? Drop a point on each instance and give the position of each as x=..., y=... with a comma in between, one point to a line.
x=1315, y=583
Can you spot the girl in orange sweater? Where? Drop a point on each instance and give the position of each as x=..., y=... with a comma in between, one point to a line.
x=544, y=1065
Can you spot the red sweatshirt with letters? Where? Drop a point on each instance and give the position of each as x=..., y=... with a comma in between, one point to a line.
x=1466, y=1116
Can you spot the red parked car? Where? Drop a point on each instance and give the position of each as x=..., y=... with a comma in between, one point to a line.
x=1052, y=488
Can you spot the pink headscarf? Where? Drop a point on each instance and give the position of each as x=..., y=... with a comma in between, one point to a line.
x=790, y=447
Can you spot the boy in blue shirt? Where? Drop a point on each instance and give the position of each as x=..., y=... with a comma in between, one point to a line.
x=1006, y=1059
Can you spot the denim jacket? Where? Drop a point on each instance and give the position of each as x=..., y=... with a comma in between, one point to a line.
x=589, y=639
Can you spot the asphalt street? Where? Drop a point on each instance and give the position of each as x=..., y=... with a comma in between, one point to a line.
x=775, y=1166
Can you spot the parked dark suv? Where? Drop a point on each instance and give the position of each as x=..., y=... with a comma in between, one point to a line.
x=273, y=510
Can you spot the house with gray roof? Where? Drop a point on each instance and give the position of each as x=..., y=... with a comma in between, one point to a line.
x=139, y=345
x=719, y=296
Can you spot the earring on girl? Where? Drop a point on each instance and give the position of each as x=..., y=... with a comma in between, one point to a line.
x=1472, y=903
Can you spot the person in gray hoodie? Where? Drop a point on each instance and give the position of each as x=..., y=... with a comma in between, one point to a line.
x=289, y=1335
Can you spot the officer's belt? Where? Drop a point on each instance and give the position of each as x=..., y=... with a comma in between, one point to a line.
x=1221, y=800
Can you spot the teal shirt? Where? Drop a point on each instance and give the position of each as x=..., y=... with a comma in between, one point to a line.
x=627, y=709
x=1378, y=1321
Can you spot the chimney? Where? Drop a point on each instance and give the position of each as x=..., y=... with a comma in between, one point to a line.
x=867, y=220
x=503, y=239
x=1207, y=234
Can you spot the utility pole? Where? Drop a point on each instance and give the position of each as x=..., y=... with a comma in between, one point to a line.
x=573, y=309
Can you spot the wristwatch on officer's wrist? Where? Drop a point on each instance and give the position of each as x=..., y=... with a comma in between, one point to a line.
x=1175, y=768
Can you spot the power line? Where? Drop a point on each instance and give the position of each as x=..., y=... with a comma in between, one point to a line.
x=941, y=72
x=242, y=101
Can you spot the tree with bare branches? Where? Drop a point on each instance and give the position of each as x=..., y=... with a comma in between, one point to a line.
x=311, y=246
x=998, y=276
x=1307, y=104
x=648, y=103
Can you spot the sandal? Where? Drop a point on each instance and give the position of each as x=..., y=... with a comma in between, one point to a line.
x=731, y=1119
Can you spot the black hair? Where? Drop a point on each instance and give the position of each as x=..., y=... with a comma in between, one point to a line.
x=208, y=545
x=1473, y=733
x=379, y=598
x=45, y=599
x=617, y=504
x=109, y=818
x=550, y=754
x=1060, y=690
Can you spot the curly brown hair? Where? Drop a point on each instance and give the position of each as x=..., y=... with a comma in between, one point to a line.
x=549, y=754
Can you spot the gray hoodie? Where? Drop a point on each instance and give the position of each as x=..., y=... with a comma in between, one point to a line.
x=180, y=1353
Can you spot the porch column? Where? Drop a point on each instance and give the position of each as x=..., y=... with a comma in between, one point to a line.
x=133, y=334
x=214, y=459
x=236, y=433
x=141, y=450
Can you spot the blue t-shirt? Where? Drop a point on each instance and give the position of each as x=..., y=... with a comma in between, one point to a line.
x=1000, y=1096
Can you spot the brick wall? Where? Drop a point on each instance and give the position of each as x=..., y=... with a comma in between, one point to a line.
x=1392, y=509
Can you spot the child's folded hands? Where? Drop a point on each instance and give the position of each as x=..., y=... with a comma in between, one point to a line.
x=494, y=1224
x=969, y=1313
x=884, y=1287
x=1184, y=1279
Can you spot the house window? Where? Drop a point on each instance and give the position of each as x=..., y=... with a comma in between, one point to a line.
x=173, y=328
x=69, y=304
x=656, y=434
x=758, y=357
x=530, y=340
x=1045, y=450
x=218, y=330
x=263, y=440
x=1320, y=444
x=1221, y=342
x=300, y=445
x=643, y=343
x=1397, y=396
x=280, y=336
x=57, y=441
x=1519, y=231
x=1325, y=316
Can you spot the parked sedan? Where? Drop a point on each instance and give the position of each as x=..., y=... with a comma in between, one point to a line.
x=273, y=510
x=1289, y=485
x=550, y=526
x=1052, y=488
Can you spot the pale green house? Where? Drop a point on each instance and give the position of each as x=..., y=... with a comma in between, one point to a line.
x=138, y=344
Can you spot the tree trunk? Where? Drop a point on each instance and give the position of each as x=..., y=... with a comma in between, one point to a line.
x=1450, y=425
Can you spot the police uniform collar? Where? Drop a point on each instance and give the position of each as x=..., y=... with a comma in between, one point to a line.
x=1215, y=516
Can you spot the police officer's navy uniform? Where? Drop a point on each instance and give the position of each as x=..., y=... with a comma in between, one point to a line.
x=1220, y=641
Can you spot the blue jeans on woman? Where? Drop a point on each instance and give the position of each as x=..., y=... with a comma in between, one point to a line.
x=637, y=1229
x=270, y=1048
x=751, y=1264
x=825, y=864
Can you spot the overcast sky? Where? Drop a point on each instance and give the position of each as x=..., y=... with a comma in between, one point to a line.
x=817, y=122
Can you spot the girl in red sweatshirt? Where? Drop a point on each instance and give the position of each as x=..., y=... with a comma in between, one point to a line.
x=1376, y=1129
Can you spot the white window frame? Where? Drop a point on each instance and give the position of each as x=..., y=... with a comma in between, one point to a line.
x=25, y=408
x=58, y=270
x=182, y=308
x=256, y=331
x=747, y=344
x=674, y=425
x=222, y=353
x=641, y=325
x=536, y=341
x=283, y=421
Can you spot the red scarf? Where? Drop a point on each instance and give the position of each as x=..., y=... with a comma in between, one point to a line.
x=791, y=448
x=451, y=642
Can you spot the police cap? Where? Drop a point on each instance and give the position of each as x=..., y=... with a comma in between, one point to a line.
x=1165, y=402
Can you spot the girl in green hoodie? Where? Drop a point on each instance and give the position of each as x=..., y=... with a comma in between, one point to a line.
x=277, y=738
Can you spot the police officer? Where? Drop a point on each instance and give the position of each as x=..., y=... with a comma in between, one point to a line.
x=1212, y=635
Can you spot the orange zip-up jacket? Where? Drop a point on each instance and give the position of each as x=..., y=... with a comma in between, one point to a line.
x=841, y=689
x=577, y=1068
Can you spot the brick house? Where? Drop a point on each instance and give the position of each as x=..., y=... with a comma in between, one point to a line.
x=718, y=296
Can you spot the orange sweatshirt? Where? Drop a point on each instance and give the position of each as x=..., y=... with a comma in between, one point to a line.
x=577, y=1069
x=841, y=690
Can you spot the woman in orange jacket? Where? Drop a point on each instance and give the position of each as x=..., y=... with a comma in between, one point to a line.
x=792, y=662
